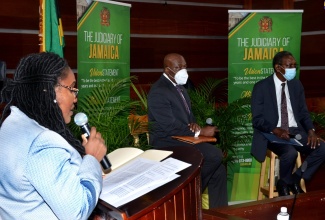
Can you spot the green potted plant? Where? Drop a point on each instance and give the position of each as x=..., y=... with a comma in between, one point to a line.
x=209, y=100
x=110, y=119
x=232, y=119
x=319, y=122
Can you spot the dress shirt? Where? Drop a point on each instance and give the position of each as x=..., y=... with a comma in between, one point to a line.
x=42, y=175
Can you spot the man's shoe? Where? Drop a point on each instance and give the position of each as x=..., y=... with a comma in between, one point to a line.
x=282, y=188
x=295, y=188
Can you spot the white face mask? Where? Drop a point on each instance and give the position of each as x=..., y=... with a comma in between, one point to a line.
x=181, y=76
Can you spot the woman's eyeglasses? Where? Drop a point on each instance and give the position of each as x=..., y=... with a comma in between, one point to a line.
x=73, y=90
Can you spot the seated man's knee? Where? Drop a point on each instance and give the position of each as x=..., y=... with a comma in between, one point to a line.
x=321, y=149
x=223, y=170
x=292, y=154
x=215, y=156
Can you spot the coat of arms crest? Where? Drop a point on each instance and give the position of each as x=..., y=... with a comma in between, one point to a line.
x=265, y=24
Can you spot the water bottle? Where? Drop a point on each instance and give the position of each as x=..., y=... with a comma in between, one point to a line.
x=283, y=215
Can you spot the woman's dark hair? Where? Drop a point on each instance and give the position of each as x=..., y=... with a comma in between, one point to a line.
x=33, y=91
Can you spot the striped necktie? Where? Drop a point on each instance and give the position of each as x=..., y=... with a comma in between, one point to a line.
x=284, y=110
x=182, y=96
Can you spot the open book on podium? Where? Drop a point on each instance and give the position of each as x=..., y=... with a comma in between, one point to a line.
x=135, y=173
x=123, y=155
x=195, y=140
x=274, y=139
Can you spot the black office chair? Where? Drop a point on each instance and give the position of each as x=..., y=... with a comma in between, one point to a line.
x=3, y=70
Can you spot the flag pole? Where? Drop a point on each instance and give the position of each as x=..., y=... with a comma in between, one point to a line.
x=40, y=34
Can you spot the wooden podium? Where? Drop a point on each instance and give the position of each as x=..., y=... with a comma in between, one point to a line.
x=178, y=199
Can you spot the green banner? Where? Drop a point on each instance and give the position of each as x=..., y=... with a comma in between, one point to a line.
x=103, y=46
x=254, y=38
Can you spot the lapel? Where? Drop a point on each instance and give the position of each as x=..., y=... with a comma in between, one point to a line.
x=291, y=95
x=271, y=88
x=173, y=89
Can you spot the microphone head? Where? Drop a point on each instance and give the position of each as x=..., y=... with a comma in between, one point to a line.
x=304, y=166
x=81, y=119
x=209, y=121
x=298, y=137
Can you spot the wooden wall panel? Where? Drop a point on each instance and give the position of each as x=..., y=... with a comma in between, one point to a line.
x=145, y=79
x=312, y=50
x=68, y=11
x=15, y=46
x=187, y=27
x=313, y=81
x=313, y=17
x=199, y=53
x=19, y=14
x=312, y=47
x=270, y=5
x=70, y=50
x=178, y=20
x=229, y=2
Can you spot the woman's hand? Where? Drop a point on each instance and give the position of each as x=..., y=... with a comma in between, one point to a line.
x=95, y=144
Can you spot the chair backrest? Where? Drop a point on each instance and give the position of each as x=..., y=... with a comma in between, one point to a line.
x=138, y=124
x=3, y=70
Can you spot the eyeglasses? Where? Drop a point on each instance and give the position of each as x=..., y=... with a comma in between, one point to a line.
x=72, y=90
x=290, y=65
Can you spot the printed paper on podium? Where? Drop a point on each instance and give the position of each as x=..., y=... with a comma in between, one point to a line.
x=137, y=178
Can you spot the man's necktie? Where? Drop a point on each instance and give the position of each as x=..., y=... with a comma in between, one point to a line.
x=182, y=97
x=284, y=110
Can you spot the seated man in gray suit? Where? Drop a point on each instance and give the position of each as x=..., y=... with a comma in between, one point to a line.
x=169, y=112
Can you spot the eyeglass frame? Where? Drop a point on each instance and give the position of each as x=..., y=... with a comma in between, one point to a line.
x=289, y=66
x=72, y=90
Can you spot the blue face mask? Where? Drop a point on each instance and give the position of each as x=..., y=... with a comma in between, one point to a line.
x=290, y=73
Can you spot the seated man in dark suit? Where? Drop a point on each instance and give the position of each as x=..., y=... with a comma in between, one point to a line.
x=169, y=112
x=279, y=107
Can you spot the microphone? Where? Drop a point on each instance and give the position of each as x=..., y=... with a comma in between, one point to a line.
x=209, y=122
x=295, y=136
x=81, y=120
x=303, y=169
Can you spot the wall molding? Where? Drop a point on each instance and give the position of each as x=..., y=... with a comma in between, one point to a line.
x=222, y=69
x=166, y=2
x=74, y=33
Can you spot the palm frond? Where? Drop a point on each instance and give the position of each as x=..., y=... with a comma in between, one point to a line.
x=108, y=109
x=319, y=122
x=142, y=96
x=233, y=120
x=208, y=87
